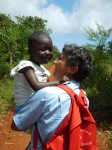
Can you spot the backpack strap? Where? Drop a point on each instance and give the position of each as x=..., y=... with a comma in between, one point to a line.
x=80, y=107
x=81, y=120
x=81, y=102
x=35, y=138
x=66, y=126
x=62, y=127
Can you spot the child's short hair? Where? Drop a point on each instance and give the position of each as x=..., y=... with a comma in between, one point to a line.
x=35, y=37
x=78, y=56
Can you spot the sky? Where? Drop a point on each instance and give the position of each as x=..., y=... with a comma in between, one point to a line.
x=67, y=19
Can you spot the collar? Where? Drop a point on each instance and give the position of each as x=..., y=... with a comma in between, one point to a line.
x=73, y=84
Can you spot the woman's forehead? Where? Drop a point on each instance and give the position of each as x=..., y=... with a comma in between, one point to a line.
x=62, y=55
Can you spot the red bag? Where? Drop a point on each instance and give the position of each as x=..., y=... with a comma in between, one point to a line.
x=77, y=131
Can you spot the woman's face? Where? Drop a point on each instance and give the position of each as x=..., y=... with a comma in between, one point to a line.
x=60, y=67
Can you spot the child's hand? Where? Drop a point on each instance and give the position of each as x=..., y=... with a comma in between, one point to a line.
x=65, y=78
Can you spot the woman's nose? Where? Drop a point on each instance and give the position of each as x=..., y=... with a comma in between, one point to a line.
x=55, y=61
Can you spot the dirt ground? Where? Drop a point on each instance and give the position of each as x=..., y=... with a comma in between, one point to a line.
x=11, y=140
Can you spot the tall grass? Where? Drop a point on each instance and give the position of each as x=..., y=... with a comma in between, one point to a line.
x=6, y=96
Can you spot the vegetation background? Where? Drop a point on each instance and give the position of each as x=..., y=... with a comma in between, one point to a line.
x=13, y=48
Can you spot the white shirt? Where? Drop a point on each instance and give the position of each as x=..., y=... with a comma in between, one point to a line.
x=22, y=89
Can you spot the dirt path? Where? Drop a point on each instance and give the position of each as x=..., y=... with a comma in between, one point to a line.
x=11, y=140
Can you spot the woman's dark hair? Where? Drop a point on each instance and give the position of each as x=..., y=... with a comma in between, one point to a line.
x=78, y=56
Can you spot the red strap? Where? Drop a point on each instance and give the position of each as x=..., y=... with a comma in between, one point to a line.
x=67, y=89
x=61, y=128
x=86, y=113
x=66, y=120
x=83, y=98
x=35, y=138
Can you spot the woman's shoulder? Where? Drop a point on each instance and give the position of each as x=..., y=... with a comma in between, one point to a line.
x=50, y=91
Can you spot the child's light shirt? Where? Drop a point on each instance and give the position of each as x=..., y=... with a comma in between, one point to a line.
x=22, y=89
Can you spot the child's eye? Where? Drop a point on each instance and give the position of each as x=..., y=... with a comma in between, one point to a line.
x=46, y=48
x=42, y=49
x=51, y=49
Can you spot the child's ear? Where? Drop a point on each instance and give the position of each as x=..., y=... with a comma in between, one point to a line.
x=73, y=70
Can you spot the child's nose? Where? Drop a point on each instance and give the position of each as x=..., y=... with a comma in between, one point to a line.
x=47, y=51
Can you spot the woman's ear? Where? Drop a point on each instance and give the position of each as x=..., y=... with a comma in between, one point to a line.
x=73, y=70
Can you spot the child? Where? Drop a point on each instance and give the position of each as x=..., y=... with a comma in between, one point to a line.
x=30, y=75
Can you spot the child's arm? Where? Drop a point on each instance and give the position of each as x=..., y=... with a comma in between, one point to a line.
x=29, y=73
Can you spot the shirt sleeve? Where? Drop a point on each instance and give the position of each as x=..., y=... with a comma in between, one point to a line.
x=21, y=65
x=31, y=111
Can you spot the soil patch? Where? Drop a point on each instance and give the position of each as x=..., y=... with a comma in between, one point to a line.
x=11, y=140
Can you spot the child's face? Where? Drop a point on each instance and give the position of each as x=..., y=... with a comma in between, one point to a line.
x=42, y=52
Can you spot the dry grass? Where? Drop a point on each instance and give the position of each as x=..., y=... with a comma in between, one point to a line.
x=104, y=139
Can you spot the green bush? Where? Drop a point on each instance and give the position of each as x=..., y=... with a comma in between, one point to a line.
x=99, y=89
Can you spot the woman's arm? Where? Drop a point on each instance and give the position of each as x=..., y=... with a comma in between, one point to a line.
x=13, y=126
